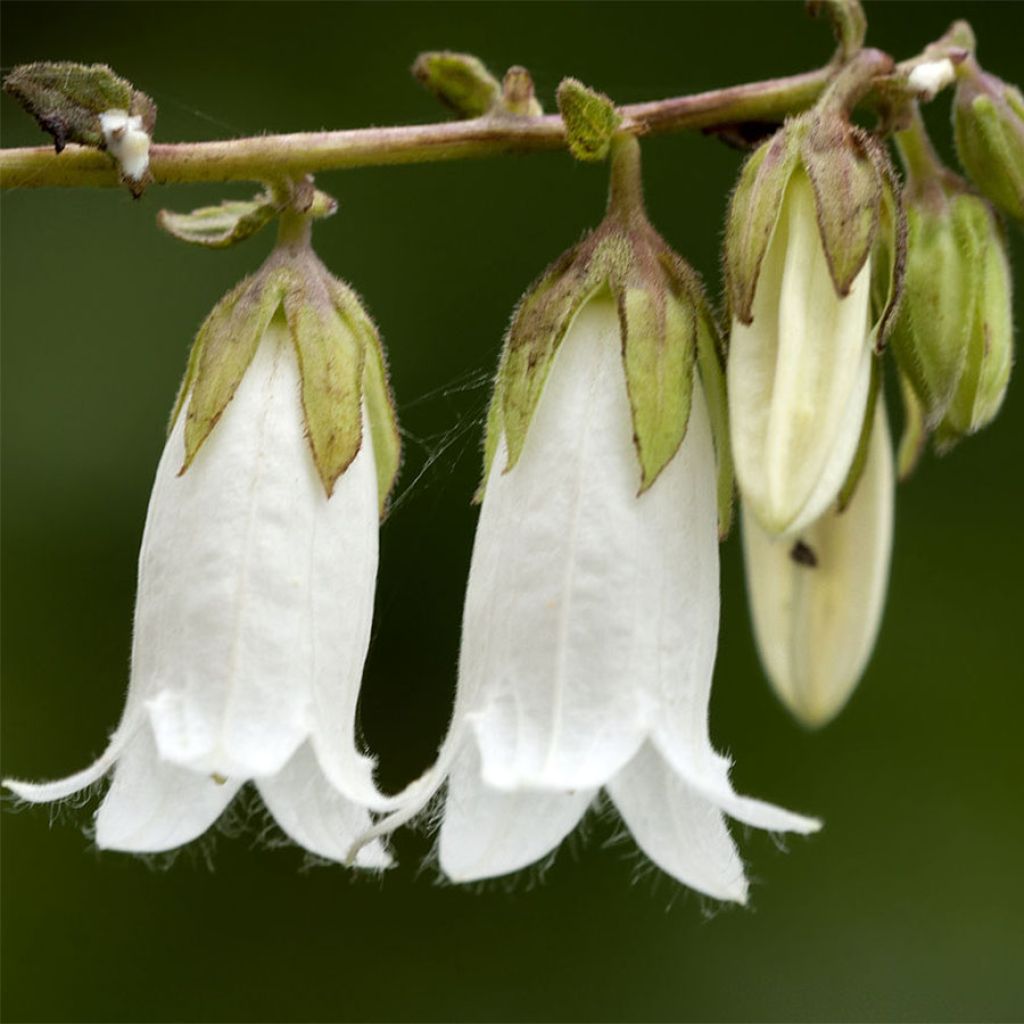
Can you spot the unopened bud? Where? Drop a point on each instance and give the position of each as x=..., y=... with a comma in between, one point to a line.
x=953, y=329
x=590, y=117
x=988, y=122
x=812, y=230
x=459, y=80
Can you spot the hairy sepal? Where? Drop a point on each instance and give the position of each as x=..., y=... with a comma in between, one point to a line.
x=847, y=194
x=753, y=214
x=712, y=379
x=658, y=347
x=331, y=358
x=541, y=321
x=378, y=398
x=222, y=352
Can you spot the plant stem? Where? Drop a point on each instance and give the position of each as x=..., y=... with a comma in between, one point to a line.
x=269, y=157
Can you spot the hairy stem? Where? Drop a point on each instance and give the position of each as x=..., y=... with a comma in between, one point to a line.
x=269, y=157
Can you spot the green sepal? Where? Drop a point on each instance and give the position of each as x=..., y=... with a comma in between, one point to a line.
x=66, y=99
x=889, y=260
x=331, y=357
x=377, y=395
x=590, y=120
x=492, y=433
x=753, y=214
x=658, y=348
x=847, y=194
x=541, y=321
x=915, y=433
x=712, y=378
x=218, y=227
x=459, y=80
x=860, y=458
x=222, y=352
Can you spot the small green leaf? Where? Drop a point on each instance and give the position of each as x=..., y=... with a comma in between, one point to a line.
x=590, y=119
x=459, y=80
x=67, y=99
x=217, y=227
x=659, y=346
x=712, y=378
x=377, y=394
x=331, y=359
x=223, y=350
x=753, y=213
x=847, y=195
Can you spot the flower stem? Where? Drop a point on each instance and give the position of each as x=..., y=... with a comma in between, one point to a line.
x=270, y=157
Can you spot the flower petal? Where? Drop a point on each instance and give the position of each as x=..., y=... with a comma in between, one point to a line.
x=314, y=815
x=255, y=589
x=816, y=624
x=153, y=806
x=59, y=789
x=680, y=830
x=708, y=777
x=556, y=598
x=486, y=833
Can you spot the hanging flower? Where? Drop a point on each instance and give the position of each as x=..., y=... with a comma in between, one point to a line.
x=816, y=602
x=256, y=576
x=591, y=615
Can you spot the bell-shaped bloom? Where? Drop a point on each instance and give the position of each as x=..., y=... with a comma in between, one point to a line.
x=816, y=602
x=255, y=599
x=589, y=637
x=798, y=373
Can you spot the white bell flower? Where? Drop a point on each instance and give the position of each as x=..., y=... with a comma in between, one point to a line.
x=253, y=616
x=798, y=373
x=589, y=638
x=816, y=609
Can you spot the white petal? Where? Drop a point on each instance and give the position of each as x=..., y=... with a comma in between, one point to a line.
x=554, y=654
x=486, y=833
x=680, y=830
x=153, y=806
x=709, y=777
x=797, y=389
x=314, y=815
x=816, y=626
x=254, y=589
x=45, y=792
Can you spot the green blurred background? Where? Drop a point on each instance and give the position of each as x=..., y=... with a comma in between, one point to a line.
x=908, y=906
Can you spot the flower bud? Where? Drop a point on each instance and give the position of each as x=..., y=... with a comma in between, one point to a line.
x=988, y=123
x=989, y=342
x=813, y=228
x=952, y=334
x=816, y=602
